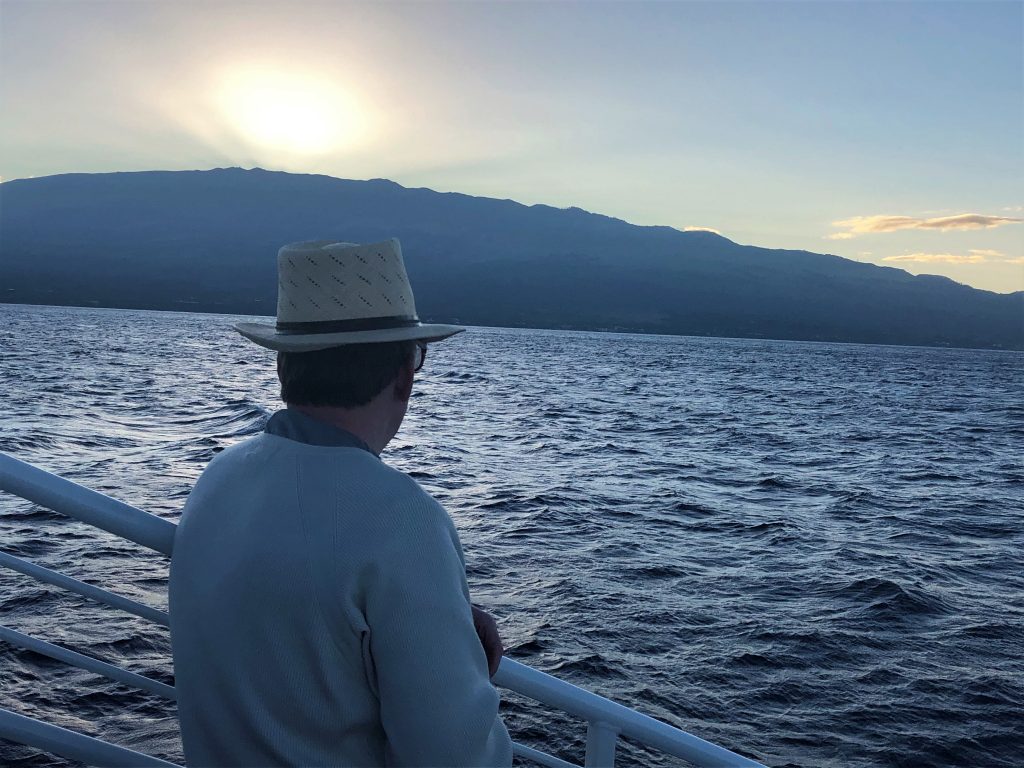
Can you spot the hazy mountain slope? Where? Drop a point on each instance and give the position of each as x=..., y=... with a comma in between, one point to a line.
x=206, y=240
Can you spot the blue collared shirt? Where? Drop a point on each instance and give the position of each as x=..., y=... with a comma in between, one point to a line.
x=295, y=425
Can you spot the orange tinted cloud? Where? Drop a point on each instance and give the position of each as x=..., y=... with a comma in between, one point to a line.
x=861, y=225
x=947, y=258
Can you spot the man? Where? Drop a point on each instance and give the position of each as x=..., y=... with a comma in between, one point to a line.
x=319, y=609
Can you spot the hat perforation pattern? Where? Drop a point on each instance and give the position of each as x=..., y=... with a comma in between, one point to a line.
x=323, y=284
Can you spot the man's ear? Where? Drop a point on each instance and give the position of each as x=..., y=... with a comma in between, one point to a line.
x=403, y=382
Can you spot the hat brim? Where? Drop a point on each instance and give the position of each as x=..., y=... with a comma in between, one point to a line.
x=268, y=336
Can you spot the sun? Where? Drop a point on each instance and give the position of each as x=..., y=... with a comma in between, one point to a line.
x=289, y=112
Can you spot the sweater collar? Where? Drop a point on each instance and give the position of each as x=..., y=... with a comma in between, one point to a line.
x=294, y=425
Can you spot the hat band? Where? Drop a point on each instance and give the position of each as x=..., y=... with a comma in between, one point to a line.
x=346, y=326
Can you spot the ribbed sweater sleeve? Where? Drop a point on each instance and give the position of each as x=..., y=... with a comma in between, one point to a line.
x=437, y=705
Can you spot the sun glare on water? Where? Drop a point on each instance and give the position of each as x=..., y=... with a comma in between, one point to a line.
x=289, y=113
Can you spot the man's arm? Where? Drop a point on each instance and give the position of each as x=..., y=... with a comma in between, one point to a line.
x=437, y=704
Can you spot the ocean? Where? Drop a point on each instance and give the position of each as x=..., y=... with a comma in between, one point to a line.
x=812, y=554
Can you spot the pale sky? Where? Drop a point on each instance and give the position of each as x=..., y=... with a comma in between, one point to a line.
x=884, y=132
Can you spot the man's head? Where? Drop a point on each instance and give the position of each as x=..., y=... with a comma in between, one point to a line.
x=364, y=388
x=348, y=376
x=347, y=334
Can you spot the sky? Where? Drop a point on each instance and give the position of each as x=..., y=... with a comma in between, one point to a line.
x=888, y=132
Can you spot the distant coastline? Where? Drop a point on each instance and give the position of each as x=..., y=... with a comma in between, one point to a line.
x=206, y=241
x=456, y=320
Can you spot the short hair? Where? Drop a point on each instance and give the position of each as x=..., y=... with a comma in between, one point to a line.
x=343, y=377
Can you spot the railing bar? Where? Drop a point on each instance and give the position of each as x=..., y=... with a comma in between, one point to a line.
x=77, y=501
x=529, y=753
x=87, y=663
x=549, y=690
x=71, y=745
x=58, y=579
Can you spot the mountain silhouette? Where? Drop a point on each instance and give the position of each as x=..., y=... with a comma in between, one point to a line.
x=207, y=241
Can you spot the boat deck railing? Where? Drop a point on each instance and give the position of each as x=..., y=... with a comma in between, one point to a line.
x=606, y=720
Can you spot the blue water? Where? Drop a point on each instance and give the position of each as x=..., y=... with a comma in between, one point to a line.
x=809, y=553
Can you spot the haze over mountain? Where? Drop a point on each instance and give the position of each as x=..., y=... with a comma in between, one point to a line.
x=207, y=241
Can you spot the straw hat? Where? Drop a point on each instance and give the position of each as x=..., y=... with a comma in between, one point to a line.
x=330, y=294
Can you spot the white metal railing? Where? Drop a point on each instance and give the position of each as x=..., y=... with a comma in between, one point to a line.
x=72, y=745
x=606, y=720
x=74, y=500
x=80, y=660
x=47, y=576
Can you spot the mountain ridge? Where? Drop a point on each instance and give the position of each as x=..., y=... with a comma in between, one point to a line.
x=205, y=240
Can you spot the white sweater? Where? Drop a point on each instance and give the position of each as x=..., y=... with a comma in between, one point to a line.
x=320, y=614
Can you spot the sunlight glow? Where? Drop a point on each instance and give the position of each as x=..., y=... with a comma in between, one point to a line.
x=294, y=113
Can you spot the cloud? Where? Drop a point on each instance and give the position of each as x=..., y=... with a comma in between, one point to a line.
x=974, y=256
x=701, y=229
x=966, y=221
x=861, y=225
x=948, y=258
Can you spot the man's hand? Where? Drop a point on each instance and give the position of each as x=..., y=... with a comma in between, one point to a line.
x=487, y=631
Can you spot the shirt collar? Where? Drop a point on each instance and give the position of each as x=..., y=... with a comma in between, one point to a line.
x=295, y=425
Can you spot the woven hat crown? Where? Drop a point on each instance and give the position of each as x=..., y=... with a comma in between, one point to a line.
x=326, y=281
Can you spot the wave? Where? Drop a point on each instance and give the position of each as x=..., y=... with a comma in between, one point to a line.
x=881, y=596
x=591, y=666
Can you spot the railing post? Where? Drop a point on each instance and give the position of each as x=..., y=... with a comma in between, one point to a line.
x=601, y=739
